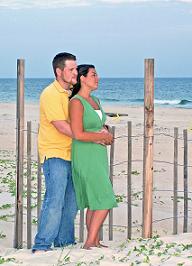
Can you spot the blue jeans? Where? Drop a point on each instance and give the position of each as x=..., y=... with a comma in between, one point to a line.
x=56, y=224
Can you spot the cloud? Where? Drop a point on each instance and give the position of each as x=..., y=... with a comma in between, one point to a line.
x=143, y=1
x=22, y=4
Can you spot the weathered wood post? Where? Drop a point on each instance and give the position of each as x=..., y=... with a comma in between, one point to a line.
x=39, y=184
x=175, y=182
x=148, y=147
x=112, y=151
x=28, y=184
x=81, y=226
x=185, y=181
x=18, y=241
x=129, y=170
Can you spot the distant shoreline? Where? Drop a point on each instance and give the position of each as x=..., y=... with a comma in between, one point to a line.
x=52, y=78
x=113, y=104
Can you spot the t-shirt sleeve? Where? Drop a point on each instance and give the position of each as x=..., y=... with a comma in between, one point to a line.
x=54, y=107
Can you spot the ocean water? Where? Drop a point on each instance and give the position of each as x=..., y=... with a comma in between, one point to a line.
x=169, y=92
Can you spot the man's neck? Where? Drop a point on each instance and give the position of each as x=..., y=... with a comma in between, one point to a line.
x=64, y=85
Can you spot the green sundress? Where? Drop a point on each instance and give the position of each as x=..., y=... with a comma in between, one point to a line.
x=90, y=171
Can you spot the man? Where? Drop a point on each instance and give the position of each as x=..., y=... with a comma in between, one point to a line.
x=59, y=208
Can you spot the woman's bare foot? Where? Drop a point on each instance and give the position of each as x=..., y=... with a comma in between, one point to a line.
x=99, y=245
x=89, y=245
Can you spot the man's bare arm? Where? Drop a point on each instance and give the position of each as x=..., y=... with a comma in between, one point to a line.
x=63, y=127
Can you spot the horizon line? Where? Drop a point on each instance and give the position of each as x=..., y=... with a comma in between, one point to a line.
x=136, y=77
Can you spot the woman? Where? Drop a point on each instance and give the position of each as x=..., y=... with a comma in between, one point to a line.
x=89, y=154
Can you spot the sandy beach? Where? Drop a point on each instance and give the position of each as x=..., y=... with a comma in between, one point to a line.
x=166, y=250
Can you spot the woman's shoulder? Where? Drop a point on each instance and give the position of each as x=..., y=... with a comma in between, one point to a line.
x=75, y=101
x=75, y=98
x=78, y=98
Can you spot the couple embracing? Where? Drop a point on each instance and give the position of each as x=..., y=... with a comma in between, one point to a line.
x=72, y=147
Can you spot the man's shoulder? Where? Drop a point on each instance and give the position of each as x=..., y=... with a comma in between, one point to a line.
x=49, y=91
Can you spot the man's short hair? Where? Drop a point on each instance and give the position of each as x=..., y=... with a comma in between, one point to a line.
x=59, y=61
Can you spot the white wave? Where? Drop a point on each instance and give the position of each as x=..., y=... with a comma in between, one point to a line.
x=171, y=102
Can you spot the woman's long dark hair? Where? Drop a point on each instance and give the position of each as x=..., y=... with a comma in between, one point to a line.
x=82, y=71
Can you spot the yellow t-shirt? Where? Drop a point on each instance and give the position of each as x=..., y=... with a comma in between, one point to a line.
x=54, y=104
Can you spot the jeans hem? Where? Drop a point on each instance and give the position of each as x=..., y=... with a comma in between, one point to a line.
x=43, y=248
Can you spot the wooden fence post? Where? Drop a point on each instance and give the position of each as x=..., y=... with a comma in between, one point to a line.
x=111, y=178
x=28, y=184
x=18, y=240
x=175, y=185
x=39, y=184
x=148, y=147
x=129, y=170
x=185, y=176
x=81, y=226
x=101, y=233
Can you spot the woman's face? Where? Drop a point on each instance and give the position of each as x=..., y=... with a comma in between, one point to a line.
x=92, y=79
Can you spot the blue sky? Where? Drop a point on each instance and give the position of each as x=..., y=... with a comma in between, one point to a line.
x=114, y=35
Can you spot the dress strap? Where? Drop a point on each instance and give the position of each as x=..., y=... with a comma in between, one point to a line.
x=96, y=100
x=83, y=101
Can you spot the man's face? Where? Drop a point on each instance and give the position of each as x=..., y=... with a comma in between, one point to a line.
x=69, y=73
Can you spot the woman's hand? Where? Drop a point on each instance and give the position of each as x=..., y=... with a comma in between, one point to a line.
x=109, y=137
